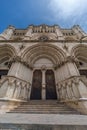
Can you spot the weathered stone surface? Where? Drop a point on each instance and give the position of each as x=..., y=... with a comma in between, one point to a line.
x=64, y=52
x=45, y=119
x=41, y=127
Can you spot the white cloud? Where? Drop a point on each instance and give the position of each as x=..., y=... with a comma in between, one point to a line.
x=68, y=8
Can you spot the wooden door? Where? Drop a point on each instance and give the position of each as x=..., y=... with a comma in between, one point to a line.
x=36, y=85
x=50, y=85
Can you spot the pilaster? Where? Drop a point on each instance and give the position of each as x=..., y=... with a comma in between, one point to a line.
x=43, y=85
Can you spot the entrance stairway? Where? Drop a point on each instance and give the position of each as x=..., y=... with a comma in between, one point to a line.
x=44, y=107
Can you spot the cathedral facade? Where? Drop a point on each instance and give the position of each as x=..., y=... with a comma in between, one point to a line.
x=44, y=63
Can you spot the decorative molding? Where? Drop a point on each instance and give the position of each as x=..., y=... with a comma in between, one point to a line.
x=19, y=59
x=68, y=84
x=15, y=86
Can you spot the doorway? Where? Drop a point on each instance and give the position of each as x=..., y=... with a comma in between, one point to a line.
x=50, y=85
x=36, y=85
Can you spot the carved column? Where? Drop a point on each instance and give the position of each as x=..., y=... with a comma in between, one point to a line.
x=43, y=85
x=11, y=87
x=69, y=94
x=75, y=87
x=58, y=91
x=17, y=91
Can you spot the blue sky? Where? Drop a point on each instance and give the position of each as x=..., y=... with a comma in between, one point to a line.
x=21, y=13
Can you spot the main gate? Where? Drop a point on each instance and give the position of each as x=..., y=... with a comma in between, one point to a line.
x=50, y=87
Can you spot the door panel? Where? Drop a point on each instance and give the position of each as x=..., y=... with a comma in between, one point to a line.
x=50, y=85
x=36, y=85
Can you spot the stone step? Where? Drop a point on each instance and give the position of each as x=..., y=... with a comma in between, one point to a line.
x=41, y=105
x=44, y=107
x=43, y=102
x=23, y=106
x=25, y=121
x=46, y=112
x=43, y=111
x=56, y=108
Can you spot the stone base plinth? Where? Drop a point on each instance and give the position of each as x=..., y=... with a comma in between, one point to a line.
x=41, y=127
x=42, y=122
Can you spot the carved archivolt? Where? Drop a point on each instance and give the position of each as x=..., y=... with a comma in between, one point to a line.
x=80, y=52
x=6, y=52
x=55, y=54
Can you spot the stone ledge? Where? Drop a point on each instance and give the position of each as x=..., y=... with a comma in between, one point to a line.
x=11, y=100
x=41, y=127
x=43, y=119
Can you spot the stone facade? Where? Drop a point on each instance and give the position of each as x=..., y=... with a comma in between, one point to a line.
x=48, y=50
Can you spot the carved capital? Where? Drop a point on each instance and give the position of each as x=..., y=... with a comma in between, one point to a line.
x=23, y=84
x=70, y=59
x=76, y=80
x=11, y=81
x=19, y=59
x=18, y=83
x=43, y=67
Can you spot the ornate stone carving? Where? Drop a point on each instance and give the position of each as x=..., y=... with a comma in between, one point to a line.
x=19, y=59
x=15, y=86
x=66, y=87
x=43, y=38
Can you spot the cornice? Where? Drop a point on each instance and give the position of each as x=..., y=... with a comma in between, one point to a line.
x=62, y=41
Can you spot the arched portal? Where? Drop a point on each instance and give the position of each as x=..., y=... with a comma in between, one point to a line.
x=6, y=52
x=80, y=53
x=54, y=53
x=43, y=59
x=43, y=81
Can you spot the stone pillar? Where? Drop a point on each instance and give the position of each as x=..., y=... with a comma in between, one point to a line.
x=6, y=35
x=57, y=90
x=75, y=87
x=67, y=70
x=43, y=85
x=19, y=81
x=20, y=71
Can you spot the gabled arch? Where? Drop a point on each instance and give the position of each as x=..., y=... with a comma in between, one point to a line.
x=6, y=52
x=54, y=53
x=80, y=52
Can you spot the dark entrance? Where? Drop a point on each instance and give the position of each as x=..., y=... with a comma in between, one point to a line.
x=36, y=85
x=50, y=85
x=83, y=72
x=3, y=72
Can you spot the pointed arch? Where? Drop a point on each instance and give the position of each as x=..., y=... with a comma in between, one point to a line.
x=80, y=52
x=54, y=53
x=6, y=52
